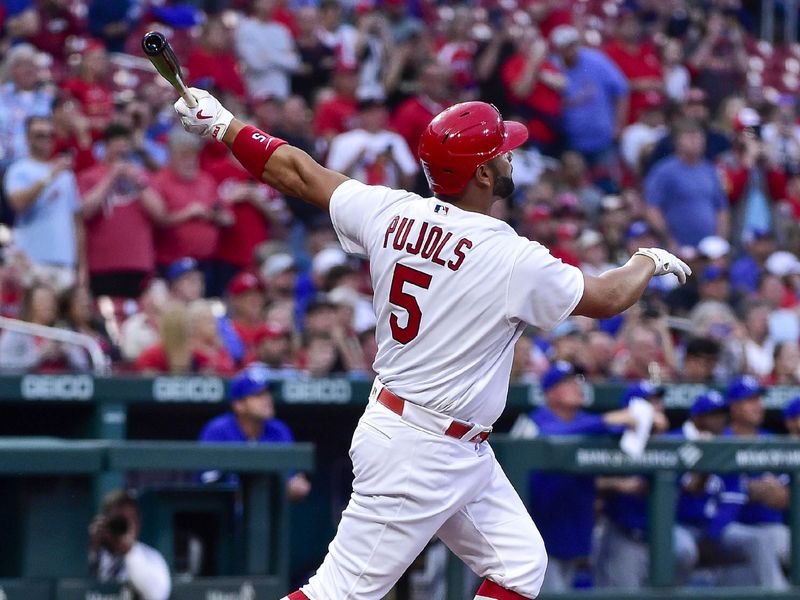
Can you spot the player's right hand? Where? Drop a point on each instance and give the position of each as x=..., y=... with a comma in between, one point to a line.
x=666, y=262
x=209, y=117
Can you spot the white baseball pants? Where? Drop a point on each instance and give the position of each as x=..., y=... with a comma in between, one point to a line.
x=411, y=485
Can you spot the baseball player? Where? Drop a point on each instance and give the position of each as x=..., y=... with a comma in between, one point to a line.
x=454, y=289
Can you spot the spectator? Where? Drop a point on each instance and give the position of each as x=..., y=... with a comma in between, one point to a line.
x=640, y=137
x=751, y=521
x=140, y=330
x=782, y=136
x=757, y=348
x=639, y=61
x=576, y=184
x=174, y=353
x=205, y=339
x=44, y=194
x=522, y=365
x=746, y=270
x=791, y=417
x=186, y=283
x=317, y=59
x=413, y=115
x=73, y=135
x=252, y=419
x=78, y=314
x=116, y=554
x=708, y=417
x=111, y=22
x=784, y=322
x=600, y=355
x=700, y=361
x=212, y=63
x=694, y=109
x=595, y=99
x=338, y=36
x=22, y=97
x=337, y=114
x=593, y=253
x=563, y=505
x=267, y=52
x=458, y=49
x=274, y=347
x=534, y=85
x=648, y=350
x=373, y=44
x=686, y=184
x=319, y=356
x=25, y=352
x=622, y=555
x=58, y=25
x=119, y=208
x=193, y=213
x=786, y=359
x=371, y=153
x=279, y=275
x=91, y=88
x=246, y=303
x=720, y=59
x=676, y=76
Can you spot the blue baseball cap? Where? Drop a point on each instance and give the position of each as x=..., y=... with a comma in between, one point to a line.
x=181, y=267
x=706, y=403
x=558, y=372
x=713, y=272
x=742, y=388
x=792, y=409
x=641, y=389
x=250, y=381
x=638, y=229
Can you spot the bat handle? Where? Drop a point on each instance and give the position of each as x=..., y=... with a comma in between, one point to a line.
x=187, y=96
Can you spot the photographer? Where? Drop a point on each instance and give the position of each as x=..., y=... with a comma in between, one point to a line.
x=116, y=555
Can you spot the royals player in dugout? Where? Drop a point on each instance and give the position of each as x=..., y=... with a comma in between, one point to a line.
x=454, y=290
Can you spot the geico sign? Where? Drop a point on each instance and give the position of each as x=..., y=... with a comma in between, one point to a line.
x=188, y=389
x=57, y=387
x=333, y=391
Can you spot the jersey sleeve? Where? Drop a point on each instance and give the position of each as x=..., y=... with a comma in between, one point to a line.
x=354, y=208
x=542, y=290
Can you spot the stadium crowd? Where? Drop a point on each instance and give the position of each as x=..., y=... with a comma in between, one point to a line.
x=651, y=123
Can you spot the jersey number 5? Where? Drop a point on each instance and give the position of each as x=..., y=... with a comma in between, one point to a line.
x=402, y=275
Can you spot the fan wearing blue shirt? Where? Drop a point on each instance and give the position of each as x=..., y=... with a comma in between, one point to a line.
x=252, y=420
x=563, y=504
x=623, y=557
x=750, y=521
x=791, y=417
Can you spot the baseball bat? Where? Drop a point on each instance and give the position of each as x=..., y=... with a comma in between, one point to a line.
x=157, y=49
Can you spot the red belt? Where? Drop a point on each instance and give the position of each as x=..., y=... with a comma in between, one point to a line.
x=457, y=429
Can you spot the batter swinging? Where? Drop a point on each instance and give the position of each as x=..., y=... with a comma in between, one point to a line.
x=454, y=289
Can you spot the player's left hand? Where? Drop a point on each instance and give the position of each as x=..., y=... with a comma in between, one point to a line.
x=209, y=117
x=666, y=262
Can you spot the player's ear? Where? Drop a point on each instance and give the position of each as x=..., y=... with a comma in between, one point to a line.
x=483, y=176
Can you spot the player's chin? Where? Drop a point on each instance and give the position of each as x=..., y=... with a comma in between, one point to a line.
x=503, y=187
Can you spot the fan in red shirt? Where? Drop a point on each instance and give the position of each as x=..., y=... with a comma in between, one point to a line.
x=92, y=86
x=193, y=213
x=458, y=51
x=119, y=208
x=534, y=84
x=337, y=114
x=212, y=63
x=246, y=301
x=253, y=206
x=640, y=62
x=412, y=116
x=57, y=23
x=72, y=133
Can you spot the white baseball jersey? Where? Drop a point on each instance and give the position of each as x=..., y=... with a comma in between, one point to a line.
x=453, y=292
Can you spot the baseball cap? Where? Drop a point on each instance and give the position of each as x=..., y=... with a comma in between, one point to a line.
x=244, y=282
x=641, y=389
x=180, y=267
x=564, y=35
x=558, y=372
x=251, y=380
x=792, y=408
x=782, y=263
x=326, y=259
x=539, y=212
x=742, y=388
x=706, y=403
x=713, y=247
x=756, y=234
x=277, y=263
x=746, y=117
x=637, y=229
x=713, y=273
x=589, y=238
x=611, y=202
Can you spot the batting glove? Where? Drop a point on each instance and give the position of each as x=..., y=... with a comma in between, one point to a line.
x=666, y=263
x=209, y=117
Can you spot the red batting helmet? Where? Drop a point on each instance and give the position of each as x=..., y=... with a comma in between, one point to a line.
x=460, y=139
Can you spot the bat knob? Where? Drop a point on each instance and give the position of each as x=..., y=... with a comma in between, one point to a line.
x=153, y=43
